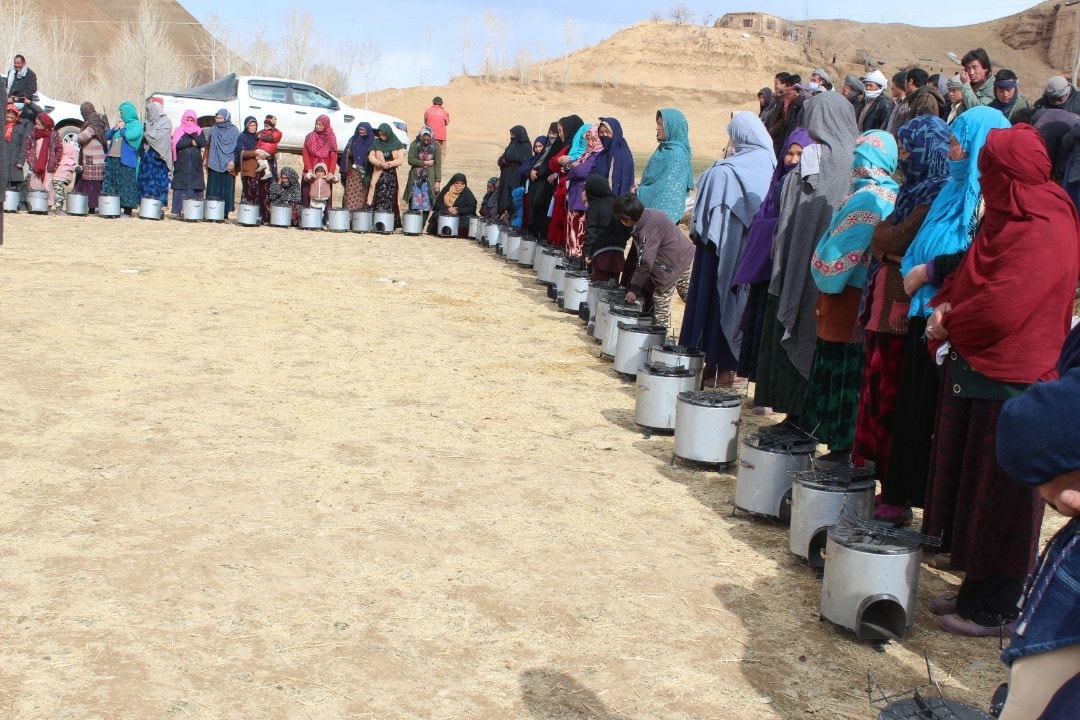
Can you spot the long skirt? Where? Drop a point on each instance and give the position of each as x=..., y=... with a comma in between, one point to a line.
x=832, y=393
x=780, y=385
x=607, y=265
x=987, y=521
x=385, y=196
x=120, y=180
x=222, y=186
x=90, y=188
x=701, y=319
x=153, y=179
x=904, y=481
x=556, y=231
x=877, y=403
x=575, y=233
x=356, y=189
x=753, y=322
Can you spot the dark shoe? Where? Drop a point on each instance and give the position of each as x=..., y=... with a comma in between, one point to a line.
x=945, y=605
x=957, y=625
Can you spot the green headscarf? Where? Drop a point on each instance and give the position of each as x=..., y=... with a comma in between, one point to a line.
x=133, y=127
x=391, y=143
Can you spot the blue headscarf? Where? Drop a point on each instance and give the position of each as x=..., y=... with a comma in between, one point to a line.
x=841, y=257
x=223, y=137
x=926, y=168
x=950, y=224
x=358, y=148
x=669, y=176
x=579, y=144
x=616, y=159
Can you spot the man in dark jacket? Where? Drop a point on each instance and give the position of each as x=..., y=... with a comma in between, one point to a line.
x=875, y=113
x=21, y=82
x=1059, y=94
x=923, y=98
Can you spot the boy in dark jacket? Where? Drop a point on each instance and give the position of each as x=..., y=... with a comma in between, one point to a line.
x=605, y=237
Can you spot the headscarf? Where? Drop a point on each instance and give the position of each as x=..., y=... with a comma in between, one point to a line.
x=246, y=140
x=669, y=175
x=926, y=168
x=44, y=134
x=288, y=194
x=158, y=133
x=223, y=139
x=841, y=258
x=590, y=141
x=133, y=127
x=577, y=144
x=755, y=265
x=358, y=147
x=189, y=125
x=531, y=162
x=95, y=121
x=448, y=197
x=1005, y=84
x=321, y=144
x=571, y=124
x=519, y=149
x=767, y=92
x=425, y=150
x=875, y=76
x=9, y=125
x=1012, y=295
x=950, y=224
x=390, y=144
x=616, y=159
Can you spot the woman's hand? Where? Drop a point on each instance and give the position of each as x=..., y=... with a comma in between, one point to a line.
x=565, y=160
x=935, y=326
x=119, y=124
x=451, y=210
x=552, y=178
x=630, y=297
x=915, y=279
x=230, y=166
x=633, y=189
x=429, y=163
x=533, y=175
x=261, y=154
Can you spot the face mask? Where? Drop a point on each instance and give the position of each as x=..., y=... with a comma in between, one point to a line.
x=20, y=105
x=812, y=86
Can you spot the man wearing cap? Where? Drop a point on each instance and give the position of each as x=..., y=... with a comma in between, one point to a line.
x=853, y=90
x=1060, y=94
x=437, y=118
x=1038, y=444
x=977, y=79
x=875, y=113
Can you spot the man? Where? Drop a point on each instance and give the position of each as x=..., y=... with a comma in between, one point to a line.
x=923, y=98
x=1060, y=94
x=853, y=90
x=21, y=82
x=437, y=118
x=875, y=113
x=1038, y=444
x=788, y=111
x=977, y=79
x=955, y=92
x=1007, y=97
x=901, y=112
x=819, y=82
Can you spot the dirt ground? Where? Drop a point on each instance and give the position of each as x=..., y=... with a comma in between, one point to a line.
x=263, y=473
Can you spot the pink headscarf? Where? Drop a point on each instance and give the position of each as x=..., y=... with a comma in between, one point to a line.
x=323, y=144
x=189, y=124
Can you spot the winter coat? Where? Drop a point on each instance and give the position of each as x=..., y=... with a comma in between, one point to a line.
x=188, y=169
x=664, y=252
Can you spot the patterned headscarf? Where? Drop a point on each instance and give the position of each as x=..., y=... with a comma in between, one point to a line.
x=95, y=121
x=926, y=168
x=321, y=144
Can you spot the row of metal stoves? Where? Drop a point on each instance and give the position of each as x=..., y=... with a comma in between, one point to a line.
x=871, y=571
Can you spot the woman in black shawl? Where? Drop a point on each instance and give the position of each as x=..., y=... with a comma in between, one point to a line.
x=516, y=154
x=353, y=164
x=455, y=199
x=539, y=193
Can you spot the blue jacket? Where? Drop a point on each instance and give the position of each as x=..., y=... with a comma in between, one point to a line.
x=129, y=156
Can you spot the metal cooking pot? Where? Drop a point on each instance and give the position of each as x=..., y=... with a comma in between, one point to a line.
x=599, y=328
x=412, y=223
x=504, y=232
x=280, y=215
x=658, y=387
x=767, y=460
x=491, y=234
x=38, y=202
x=557, y=276
x=447, y=225
x=526, y=253
x=511, y=245
x=707, y=426
x=870, y=583
x=248, y=214
x=588, y=313
x=383, y=222
x=150, y=209
x=545, y=265
x=12, y=200
x=680, y=355
x=214, y=210
x=362, y=221
x=632, y=345
x=339, y=220
x=817, y=499
x=108, y=206
x=474, y=223
x=311, y=218
x=193, y=209
x=575, y=290
x=621, y=312
x=77, y=203
x=481, y=228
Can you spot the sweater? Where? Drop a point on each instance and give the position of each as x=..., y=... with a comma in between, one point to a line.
x=664, y=252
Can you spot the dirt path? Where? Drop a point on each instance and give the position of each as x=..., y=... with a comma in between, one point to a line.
x=261, y=473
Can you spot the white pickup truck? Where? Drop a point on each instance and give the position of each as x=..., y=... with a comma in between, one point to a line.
x=295, y=104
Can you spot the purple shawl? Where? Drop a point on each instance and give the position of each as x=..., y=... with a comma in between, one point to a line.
x=615, y=159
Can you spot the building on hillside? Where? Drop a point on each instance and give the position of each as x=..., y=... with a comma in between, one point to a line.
x=765, y=24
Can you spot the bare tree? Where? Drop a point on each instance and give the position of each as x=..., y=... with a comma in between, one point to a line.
x=369, y=60
x=680, y=14
x=569, y=38
x=214, y=46
x=466, y=45
x=60, y=46
x=523, y=60
x=298, y=44
x=656, y=16
x=259, y=52
x=329, y=76
x=707, y=17
x=494, y=43
x=20, y=30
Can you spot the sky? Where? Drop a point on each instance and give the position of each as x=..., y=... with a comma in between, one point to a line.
x=422, y=44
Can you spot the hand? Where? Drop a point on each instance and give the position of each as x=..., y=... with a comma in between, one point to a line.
x=261, y=154
x=964, y=77
x=229, y=167
x=935, y=326
x=119, y=124
x=429, y=163
x=1063, y=493
x=565, y=160
x=438, y=185
x=532, y=175
x=552, y=178
x=633, y=189
x=630, y=297
x=452, y=211
x=309, y=177
x=915, y=279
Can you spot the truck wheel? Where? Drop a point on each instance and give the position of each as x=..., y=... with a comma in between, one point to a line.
x=69, y=133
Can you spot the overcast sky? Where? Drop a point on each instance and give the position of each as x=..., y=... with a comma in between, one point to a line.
x=423, y=43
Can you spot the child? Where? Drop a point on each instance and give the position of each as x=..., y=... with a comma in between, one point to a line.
x=491, y=199
x=65, y=172
x=518, y=196
x=605, y=237
x=268, y=140
x=43, y=153
x=322, y=188
x=664, y=255
x=286, y=191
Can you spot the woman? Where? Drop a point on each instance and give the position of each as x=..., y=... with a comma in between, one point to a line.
x=156, y=160
x=1005, y=313
x=286, y=192
x=221, y=160
x=386, y=156
x=455, y=199
x=668, y=177
x=320, y=146
x=188, y=142
x=354, y=167
x=425, y=171
x=92, y=144
x=729, y=195
x=540, y=190
x=576, y=173
x=43, y=155
x=605, y=236
x=247, y=160
x=490, y=200
x=809, y=197
x=517, y=152
x=947, y=230
x=22, y=135
x=755, y=263
x=569, y=128
x=923, y=146
x=839, y=268
x=615, y=162
x=125, y=140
